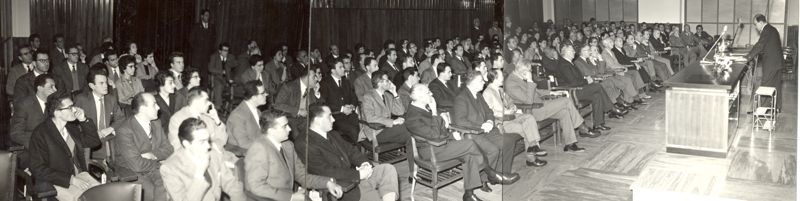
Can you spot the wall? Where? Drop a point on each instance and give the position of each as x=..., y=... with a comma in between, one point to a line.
x=791, y=12
x=606, y=10
x=662, y=11
x=525, y=12
x=715, y=14
x=21, y=17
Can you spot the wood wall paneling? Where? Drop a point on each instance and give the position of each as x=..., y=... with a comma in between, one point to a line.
x=615, y=10
x=630, y=10
x=777, y=12
x=709, y=11
x=81, y=21
x=576, y=9
x=602, y=10
x=589, y=9
x=694, y=11
x=726, y=11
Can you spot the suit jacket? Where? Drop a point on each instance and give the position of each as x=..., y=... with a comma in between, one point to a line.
x=23, y=87
x=27, y=116
x=444, y=95
x=363, y=84
x=461, y=66
x=421, y=123
x=622, y=58
x=471, y=111
x=221, y=73
x=15, y=72
x=148, y=74
x=523, y=91
x=216, y=132
x=268, y=175
x=386, y=67
x=295, y=70
x=274, y=70
x=242, y=127
x=57, y=56
x=250, y=74
x=63, y=72
x=113, y=115
x=332, y=157
x=181, y=184
x=132, y=141
x=203, y=42
x=769, y=47
x=379, y=108
x=50, y=157
x=288, y=99
x=568, y=75
x=611, y=60
x=336, y=96
x=165, y=111
x=181, y=99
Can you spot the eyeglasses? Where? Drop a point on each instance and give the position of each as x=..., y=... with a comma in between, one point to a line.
x=43, y=60
x=66, y=108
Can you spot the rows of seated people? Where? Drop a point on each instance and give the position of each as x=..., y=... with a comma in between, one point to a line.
x=301, y=119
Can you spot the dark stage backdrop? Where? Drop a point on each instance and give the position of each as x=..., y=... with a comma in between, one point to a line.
x=81, y=21
x=348, y=22
x=165, y=25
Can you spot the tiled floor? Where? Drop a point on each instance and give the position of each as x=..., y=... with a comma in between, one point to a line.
x=759, y=167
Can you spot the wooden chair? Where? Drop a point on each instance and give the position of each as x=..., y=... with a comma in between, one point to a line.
x=29, y=189
x=117, y=191
x=8, y=168
x=382, y=153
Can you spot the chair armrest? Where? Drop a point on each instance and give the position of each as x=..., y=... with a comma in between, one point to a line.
x=565, y=88
x=422, y=139
x=529, y=106
x=37, y=190
x=375, y=126
x=121, y=173
x=465, y=129
x=14, y=147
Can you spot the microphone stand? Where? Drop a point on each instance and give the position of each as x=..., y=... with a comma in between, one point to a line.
x=715, y=44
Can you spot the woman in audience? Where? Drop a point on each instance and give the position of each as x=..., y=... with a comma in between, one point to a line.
x=147, y=69
x=533, y=53
x=190, y=79
x=128, y=85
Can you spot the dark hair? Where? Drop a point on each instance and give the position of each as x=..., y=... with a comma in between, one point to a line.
x=187, y=75
x=58, y=35
x=387, y=42
x=137, y=102
x=95, y=71
x=377, y=76
x=267, y=119
x=760, y=18
x=174, y=55
x=146, y=51
x=407, y=73
x=194, y=93
x=107, y=53
x=161, y=78
x=187, y=128
x=491, y=76
x=41, y=80
x=23, y=47
x=315, y=110
x=54, y=102
x=204, y=11
x=224, y=44
x=125, y=60
x=251, y=88
x=367, y=60
x=33, y=36
x=471, y=76
x=698, y=26
x=254, y=59
x=440, y=68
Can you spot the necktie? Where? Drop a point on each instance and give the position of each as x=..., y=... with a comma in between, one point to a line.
x=74, y=73
x=223, y=65
x=28, y=68
x=147, y=69
x=339, y=82
x=101, y=123
x=283, y=156
x=114, y=76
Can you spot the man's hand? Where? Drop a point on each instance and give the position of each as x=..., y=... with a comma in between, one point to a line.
x=487, y=126
x=589, y=80
x=302, y=113
x=347, y=109
x=399, y=121
x=149, y=156
x=393, y=89
x=334, y=188
x=78, y=182
x=80, y=114
x=364, y=172
x=106, y=131
x=201, y=164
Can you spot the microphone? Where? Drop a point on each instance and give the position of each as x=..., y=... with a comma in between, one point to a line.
x=721, y=35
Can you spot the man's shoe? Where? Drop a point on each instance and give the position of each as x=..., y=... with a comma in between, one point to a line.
x=470, y=196
x=535, y=162
x=602, y=127
x=615, y=116
x=573, y=148
x=593, y=133
x=485, y=187
x=501, y=178
x=537, y=151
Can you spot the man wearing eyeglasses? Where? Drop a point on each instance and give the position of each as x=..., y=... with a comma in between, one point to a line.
x=242, y=125
x=24, y=85
x=29, y=113
x=55, y=148
x=221, y=67
x=72, y=72
x=15, y=72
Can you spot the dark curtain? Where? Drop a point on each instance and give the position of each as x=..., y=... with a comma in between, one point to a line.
x=162, y=26
x=348, y=22
x=81, y=21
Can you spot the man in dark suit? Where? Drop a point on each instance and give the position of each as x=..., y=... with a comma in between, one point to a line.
x=202, y=39
x=300, y=65
x=141, y=145
x=471, y=111
x=165, y=98
x=341, y=98
x=19, y=69
x=58, y=54
x=29, y=113
x=427, y=124
x=769, y=47
x=460, y=66
x=72, y=72
x=220, y=66
x=24, y=84
x=242, y=124
x=443, y=94
x=56, y=146
x=102, y=108
x=272, y=166
x=390, y=64
x=333, y=54
x=329, y=155
x=475, y=30
x=379, y=105
x=276, y=72
x=295, y=96
x=363, y=84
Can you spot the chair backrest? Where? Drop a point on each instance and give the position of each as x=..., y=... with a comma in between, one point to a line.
x=8, y=166
x=117, y=191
